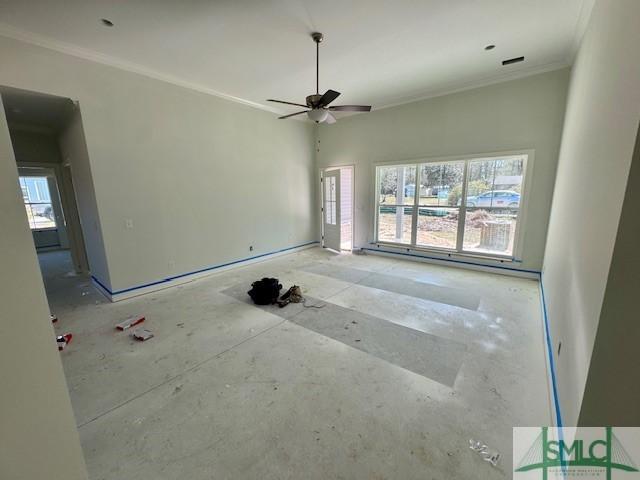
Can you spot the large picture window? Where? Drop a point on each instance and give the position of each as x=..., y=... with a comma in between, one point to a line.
x=37, y=201
x=468, y=205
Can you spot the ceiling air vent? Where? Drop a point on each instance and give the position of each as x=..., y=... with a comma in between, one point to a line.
x=513, y=60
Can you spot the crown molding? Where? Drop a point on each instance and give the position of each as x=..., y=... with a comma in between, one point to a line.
x=581, y=27
x=484, y=82
x=86, y=54
x=14, y=33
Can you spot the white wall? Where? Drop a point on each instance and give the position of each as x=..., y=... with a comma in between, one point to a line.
x=515, y=115
x=200, y=178
x=73, y=149
x=601, y=124
x=611, y=395
x=38, y=437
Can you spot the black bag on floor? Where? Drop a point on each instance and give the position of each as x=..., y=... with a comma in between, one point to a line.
x=265, y=291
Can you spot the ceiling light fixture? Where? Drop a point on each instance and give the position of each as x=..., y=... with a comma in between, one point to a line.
x=318, y=114
x=106, y=22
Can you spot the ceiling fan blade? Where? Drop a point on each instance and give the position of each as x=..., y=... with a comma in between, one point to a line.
x=287, y=103
x=351, y=108
x=293, y=114
x=330, y=119
x=328, y=97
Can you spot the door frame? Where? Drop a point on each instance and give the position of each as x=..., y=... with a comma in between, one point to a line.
x=353, y=201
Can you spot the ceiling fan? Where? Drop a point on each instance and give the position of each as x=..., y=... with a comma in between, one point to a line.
x=317, y=106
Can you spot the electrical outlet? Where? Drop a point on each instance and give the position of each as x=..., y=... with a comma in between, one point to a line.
x=128, y=223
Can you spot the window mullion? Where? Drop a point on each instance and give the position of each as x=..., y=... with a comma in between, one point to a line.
x=462, y=212
x=416, y=201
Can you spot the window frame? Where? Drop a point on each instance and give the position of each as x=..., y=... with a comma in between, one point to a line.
x=459, y=250
x=29, y=203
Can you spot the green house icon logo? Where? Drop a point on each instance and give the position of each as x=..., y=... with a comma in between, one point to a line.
x=603, y=453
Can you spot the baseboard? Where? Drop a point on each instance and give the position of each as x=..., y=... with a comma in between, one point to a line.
x=123, y=294
x=468, y=264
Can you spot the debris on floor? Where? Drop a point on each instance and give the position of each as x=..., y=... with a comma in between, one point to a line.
x=53, y=318
x=265, y=291
x=63, y=341
x=130, y=322
x=487, y=455
x=142, y=334
x=293, y=295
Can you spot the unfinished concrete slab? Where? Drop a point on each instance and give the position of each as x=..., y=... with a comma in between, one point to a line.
x=434, y=357
x=397, y=284
x=228, y=390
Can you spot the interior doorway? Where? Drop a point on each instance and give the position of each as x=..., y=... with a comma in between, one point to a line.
x=38, y=126
x=337, y=207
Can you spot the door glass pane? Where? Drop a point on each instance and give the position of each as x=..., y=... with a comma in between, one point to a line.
x=493, y=203
x=330, y=200
x=397, y=185
x=394, y=224
x=440, y=191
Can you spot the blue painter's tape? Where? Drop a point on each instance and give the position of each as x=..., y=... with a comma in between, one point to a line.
x=544, y=306
x=102, y=285
x=554, y=384
x=463, y=262
x=552, y=367
x=182, y=275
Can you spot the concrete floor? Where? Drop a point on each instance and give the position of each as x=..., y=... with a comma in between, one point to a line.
x=389, y=380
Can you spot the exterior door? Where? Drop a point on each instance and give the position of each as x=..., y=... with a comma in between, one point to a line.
x=331, y=210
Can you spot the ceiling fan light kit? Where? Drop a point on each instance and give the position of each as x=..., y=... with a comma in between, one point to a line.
x=318, y=115
x=317, y=106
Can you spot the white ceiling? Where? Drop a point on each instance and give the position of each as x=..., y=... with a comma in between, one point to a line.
x=377, y=52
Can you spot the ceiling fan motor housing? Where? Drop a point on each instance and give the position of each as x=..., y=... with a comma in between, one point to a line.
x=312, y=100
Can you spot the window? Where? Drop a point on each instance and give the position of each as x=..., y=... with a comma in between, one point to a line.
x=467, y=206
x=396, y=203
x=37, y=201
